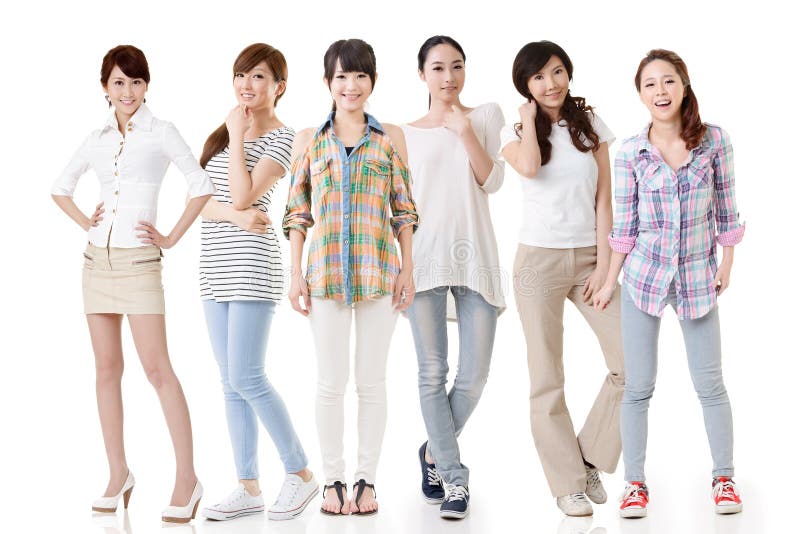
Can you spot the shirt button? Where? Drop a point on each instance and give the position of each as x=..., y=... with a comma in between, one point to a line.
x=346, y=241
x=114, y=210
x=116, y=173
x=346, y=215
x=116, y=192
x=121, y=143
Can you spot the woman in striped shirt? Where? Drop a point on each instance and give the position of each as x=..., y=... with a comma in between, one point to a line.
x=241, y=280
x=675, y=204
x=352, y=170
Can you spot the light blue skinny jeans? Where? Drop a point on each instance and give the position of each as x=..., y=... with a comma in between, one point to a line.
x=446, y=413
x=640, y=345
x=239, y=330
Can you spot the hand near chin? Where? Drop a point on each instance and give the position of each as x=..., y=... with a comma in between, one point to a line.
x=456, y=121
x=239, y=121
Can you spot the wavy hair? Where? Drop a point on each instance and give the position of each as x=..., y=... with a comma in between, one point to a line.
x=530, y=60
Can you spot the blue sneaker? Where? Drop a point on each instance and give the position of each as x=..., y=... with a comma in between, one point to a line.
x=456, y=504
x=432, y=490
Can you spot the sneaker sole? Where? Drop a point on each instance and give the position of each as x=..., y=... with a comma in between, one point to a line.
x=633, y=513
x=452, y=514
x=728, y=509
x=291, y=514
x=432, y=500
x=215, y=515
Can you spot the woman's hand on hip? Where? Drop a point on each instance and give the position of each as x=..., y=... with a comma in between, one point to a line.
x=151, y=236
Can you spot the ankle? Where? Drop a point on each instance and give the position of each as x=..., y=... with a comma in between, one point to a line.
x=305, y=473
x=251, y=486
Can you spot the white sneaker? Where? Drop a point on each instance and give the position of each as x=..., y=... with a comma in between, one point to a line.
x=574, y=504
x=594, y=486
x=293, y=498
x=239, y=503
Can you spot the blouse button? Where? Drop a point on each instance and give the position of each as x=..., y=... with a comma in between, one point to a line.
x=116, y=173
x=114, y=210
x=121, y=143
x=116, y=192
x=346, y=241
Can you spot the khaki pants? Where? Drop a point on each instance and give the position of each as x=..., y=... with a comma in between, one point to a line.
x=543, y=279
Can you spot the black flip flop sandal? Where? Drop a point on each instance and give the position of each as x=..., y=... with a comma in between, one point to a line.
x=339, y=487
x=361, y=484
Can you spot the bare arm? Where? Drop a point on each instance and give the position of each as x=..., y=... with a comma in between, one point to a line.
x=524, y=155
x=69, y=207
x=603, y=213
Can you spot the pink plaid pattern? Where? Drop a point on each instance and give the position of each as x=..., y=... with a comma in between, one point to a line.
x=669, y=223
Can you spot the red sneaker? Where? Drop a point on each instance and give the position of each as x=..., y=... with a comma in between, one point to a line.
x=726, y=496
x=634, y=500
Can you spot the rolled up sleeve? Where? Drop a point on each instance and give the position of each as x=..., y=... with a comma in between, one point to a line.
x=625, y=229
x=298, y=205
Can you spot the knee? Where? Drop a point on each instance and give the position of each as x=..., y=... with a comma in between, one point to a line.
x=331, y=388
x=249, y=387
x=432, y=373
x=160, y=375
x=371, y=390
x=638, y=392
x=472, y=386
x=711, y=389
x=109, y=370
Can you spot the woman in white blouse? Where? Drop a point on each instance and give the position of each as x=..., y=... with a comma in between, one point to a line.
x=560, y=150
x=122, y=269
x=452, y=158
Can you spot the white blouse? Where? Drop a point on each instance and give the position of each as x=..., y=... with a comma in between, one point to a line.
x=130, y=170
x=455, y=243
x=558, y=204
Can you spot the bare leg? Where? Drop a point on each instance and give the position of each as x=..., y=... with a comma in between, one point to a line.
x=105, y=331
x=150, y=338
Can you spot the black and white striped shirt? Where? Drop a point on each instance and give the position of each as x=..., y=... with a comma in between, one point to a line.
x=239, y=265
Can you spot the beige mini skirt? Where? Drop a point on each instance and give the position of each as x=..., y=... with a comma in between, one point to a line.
x=122, y=280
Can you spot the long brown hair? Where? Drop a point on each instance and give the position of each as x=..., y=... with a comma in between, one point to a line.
x=245, y=61
x=531, y=59
x=692, y=128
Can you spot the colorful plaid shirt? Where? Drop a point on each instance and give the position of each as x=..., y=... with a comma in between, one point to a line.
x=669, y=223
x=359, y=201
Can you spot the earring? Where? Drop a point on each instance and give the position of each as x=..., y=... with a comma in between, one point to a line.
x=144, y=101
x=108, y=99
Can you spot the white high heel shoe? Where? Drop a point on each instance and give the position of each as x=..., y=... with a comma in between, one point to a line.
x=109, y=504
x=184, y=514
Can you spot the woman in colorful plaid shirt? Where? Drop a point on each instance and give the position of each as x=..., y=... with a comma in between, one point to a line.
x=675, y=202
x=351, y=172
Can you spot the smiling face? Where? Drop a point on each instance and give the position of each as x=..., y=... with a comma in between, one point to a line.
x=257, y=88
x=125, y=94
x=662, y=90
x=549, y=86
x=444, y=73
x=349, y=90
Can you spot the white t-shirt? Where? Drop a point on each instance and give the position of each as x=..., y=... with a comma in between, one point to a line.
x=558, y=204
x=455, y=244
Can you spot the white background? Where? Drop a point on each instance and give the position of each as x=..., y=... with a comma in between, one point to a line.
x=743, y=63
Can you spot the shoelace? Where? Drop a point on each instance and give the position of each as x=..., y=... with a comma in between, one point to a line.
x=577, y=498
x=724, y=490
x=288, y=492
x=634, y=495
x=232, y=498
x=456, y=493
x=593, y=478
x=433, y=477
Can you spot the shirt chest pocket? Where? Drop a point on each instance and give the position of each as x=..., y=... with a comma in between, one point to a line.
x=377, y=174
x=322, y=180
x=700, y=173
x=652, y=179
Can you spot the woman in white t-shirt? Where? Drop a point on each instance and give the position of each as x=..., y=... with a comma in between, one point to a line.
x=452, y=156
x=560, y=150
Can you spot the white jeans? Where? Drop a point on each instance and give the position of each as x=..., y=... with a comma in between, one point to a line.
x=330, y=326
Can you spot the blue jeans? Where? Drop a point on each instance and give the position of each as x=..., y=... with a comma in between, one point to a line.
x=640, y=345
x=238, y=332
x=446, y=413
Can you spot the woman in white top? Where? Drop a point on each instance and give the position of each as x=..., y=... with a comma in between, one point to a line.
x=241, y=280
x=452, y=153
x=122, y=269
x=560, y=150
